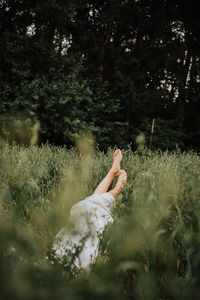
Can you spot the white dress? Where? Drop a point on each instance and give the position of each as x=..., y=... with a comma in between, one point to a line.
x=78, y=245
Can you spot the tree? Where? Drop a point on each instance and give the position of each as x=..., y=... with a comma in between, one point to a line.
x=128, y=60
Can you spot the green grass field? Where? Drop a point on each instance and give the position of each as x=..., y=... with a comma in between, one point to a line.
x=151, y=251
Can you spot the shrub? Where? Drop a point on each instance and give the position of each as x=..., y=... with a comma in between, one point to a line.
x=152, y=249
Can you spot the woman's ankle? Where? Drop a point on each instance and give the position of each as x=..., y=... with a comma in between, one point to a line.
x=114, y=192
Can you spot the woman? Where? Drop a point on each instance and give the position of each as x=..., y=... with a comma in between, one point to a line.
x=78, y=245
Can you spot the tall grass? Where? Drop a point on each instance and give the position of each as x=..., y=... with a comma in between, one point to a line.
x=152, y=251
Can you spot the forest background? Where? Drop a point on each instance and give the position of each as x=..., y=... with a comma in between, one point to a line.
x=107, y=68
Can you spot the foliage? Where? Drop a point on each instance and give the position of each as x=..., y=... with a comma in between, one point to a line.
x=104, y=67
x=152, y=249
x=166, y=134
x=65, y=105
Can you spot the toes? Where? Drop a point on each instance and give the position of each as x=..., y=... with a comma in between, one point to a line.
x=123, y=174
x=118, y=173
x=116, y=152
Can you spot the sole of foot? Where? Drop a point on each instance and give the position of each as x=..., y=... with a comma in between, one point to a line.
x=121, y=180
x=117, y=157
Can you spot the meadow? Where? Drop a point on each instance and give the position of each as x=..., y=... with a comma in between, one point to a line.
x=151, y=251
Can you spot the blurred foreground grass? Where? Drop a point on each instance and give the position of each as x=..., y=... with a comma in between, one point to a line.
x=152, y=251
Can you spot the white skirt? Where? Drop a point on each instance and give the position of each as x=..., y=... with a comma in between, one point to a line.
x=78, y=245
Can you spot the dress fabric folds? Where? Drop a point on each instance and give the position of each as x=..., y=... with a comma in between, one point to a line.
x=79, y=243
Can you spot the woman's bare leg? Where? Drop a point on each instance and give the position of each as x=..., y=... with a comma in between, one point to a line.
x=119, y=187
x=113, y=172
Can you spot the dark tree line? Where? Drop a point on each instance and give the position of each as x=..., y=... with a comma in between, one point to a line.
x=103, y=67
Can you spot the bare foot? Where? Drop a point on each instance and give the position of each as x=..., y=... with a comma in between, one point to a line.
x=117, y=157
x=121, y=181
x=119, y=187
